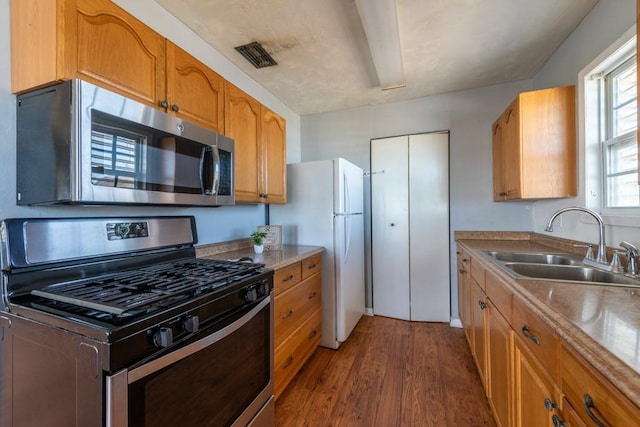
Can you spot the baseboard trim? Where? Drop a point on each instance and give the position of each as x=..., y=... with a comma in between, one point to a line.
x=455, y=323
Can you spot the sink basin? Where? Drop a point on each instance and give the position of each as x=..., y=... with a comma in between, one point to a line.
x=572, y=273
x=535, y=257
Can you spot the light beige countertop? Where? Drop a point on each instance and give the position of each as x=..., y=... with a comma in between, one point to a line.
x=601, y=322
x=277, y=259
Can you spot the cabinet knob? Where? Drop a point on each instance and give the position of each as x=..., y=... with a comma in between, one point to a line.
x=482, y=304
x=557, y=422
x=549, y=404
x=175, y=108
x=263, y=195
x=164, y=104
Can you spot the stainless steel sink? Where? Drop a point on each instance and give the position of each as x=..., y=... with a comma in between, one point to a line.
x=536, y=257
x=574, y=273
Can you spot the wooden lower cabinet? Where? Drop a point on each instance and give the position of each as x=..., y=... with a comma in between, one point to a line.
x=297, y=318
x=499, y=362
x=479, y=349
x=533, y=390
x=532, y=377
x=596, y=400
x=570, y=416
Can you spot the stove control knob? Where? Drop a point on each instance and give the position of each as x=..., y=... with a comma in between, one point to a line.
x=251, y=294
x=191, y=324
x=264, y=288
x=163, y=337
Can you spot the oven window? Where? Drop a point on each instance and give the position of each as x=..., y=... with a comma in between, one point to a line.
x=209, y=388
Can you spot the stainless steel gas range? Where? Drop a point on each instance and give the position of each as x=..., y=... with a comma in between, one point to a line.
x=114, y=322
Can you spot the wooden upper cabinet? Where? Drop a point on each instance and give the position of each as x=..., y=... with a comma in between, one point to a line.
x=39, y=41
x=194, y=91
x=115, y=50
x=242, y=123
x=274, y=157
x=260, y=148
x=534, y=143
x=95, y=40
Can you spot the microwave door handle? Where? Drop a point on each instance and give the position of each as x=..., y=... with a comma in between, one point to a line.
x=208, y=170
x=216, y=170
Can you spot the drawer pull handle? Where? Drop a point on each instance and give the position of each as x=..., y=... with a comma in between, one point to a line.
x=287, y=362
x=588, y=406
x=313, y=334
x=557, y=422
x=549, y=404
x=288, y=314
x=286, y=279
x=312, y=266
x=462, y=271
x=313, y=295
x=527, y=333
x=482, y=304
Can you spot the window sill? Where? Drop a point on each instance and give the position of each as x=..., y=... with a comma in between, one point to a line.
x=617, y=220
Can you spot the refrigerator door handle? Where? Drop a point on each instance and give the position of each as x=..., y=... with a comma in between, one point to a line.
x=347, y=237
x=347, y=196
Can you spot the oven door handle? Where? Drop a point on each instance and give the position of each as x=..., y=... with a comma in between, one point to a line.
x=184, y=352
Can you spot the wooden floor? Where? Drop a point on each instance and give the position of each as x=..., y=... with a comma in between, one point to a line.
x=389, y=373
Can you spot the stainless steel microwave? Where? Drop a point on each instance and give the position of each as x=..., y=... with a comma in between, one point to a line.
x=78, y=143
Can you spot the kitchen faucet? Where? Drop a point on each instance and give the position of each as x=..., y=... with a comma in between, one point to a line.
x=601, y=258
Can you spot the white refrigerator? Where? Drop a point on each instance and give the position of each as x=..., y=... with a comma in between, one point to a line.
x=325, y=208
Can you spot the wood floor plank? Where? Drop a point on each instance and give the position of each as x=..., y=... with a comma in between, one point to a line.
x=389, y=373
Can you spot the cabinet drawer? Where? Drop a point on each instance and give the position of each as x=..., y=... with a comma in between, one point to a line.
x=539, y=338
x=580, y=382
x=295, y=350
x=500, y=296
x=287, y=277
x=477, y=272
x=311, y=266
x=293, y=306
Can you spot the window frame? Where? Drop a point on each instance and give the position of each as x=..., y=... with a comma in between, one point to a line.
x=592, y=129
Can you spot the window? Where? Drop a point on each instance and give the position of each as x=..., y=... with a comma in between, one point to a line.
x=619, y=149
x=608, y=132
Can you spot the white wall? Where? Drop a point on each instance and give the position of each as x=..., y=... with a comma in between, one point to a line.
x=214, y=224
x=468, y=115
x=606, y=22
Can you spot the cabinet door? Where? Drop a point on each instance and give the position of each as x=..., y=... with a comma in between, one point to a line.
x=274, y=158
x=242, y=123
x=42, y=34
x=570, y=416
x=498, y=182
x=499, y=351
x=478, y=308
x=117, y=51
x=194, y=91
x=464, y=295
x=531, y=389
x=511, y=152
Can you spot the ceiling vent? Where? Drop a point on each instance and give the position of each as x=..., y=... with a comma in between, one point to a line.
x=255, y=53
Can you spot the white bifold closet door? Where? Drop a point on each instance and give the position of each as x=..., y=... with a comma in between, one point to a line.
x=410, y=227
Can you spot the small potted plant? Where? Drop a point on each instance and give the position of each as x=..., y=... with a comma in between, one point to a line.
x=258, y=241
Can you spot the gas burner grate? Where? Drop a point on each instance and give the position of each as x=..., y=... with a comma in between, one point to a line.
x=142, y=287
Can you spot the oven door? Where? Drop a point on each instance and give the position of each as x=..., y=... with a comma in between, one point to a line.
x=223, y=379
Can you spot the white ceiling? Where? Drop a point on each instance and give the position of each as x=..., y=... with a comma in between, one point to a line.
x=324, y=63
